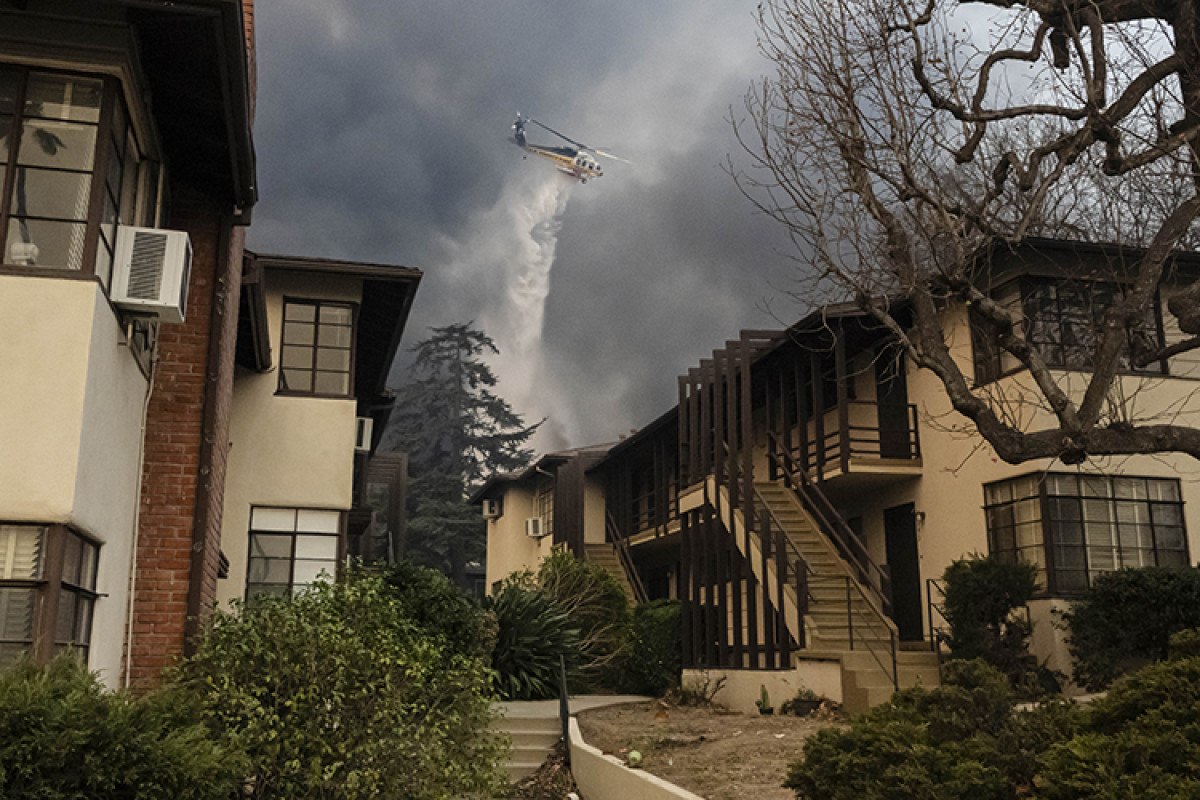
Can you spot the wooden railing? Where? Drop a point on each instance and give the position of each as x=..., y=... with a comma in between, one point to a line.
x=867, y=438
x=625, y=558
x=862, y=619
x=875, y=579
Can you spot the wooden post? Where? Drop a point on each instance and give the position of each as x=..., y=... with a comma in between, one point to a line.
x=818, y=407
x=747, y=442
x=843, y=399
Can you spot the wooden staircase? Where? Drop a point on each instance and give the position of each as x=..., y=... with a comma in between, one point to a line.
x=605, y=556
x=842, y=621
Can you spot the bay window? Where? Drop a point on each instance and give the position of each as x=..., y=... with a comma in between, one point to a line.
x=47, y=591
x=1073, y=527
x=72, y=169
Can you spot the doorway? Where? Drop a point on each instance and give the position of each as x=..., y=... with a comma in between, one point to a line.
x=903, y=559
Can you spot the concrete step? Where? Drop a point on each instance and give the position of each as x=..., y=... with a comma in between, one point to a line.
x=518, y=770
x=512, y=725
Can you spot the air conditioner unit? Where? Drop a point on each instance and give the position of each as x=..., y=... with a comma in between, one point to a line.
x=492, y=509
x=150, y=272
x=363, y=426
x=533, y=528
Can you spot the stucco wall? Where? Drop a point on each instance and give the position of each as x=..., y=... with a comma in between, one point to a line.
x=509, y=550
x=290, y=451
x=70, y=431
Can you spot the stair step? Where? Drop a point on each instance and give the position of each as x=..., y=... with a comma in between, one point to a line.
x=514, y=725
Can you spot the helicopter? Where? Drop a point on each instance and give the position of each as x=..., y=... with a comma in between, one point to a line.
x=579, y=161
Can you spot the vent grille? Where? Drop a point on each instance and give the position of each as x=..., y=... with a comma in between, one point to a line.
x=146, y=265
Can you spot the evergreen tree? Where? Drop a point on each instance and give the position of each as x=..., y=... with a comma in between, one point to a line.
x=456, y=432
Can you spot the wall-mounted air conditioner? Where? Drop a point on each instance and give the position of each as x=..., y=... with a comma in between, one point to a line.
x=363, y=426
x=533, y=528
x=492, y=509
x=150, y=272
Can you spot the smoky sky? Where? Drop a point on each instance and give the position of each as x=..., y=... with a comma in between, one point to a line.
x=382, y=135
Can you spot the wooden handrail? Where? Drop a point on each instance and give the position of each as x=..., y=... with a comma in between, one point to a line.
x=833, y=526
x=621, y=547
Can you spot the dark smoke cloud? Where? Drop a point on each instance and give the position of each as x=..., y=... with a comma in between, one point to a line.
x=382, y=131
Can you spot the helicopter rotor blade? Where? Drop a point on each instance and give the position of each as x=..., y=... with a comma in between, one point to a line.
x=559, y=135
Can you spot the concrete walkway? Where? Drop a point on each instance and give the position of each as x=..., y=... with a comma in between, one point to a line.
x=534, y=728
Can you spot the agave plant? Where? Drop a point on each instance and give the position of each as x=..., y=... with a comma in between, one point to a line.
x=533, y=633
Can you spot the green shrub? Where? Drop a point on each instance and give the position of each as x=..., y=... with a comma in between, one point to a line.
x=1125, y=621
x=984, y=602
x=1184, y=644
x=652, y=664
x=437, y=606
x=64, y=736
x=335, y=693
x=532, y=633
x=1141, y=740
x=596, y=605
x=960, y=740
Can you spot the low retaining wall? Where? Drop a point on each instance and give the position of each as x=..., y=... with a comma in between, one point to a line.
x=601, y=777
x=744, y=686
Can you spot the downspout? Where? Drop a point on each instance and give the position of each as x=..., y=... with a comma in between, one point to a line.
x=137, y=520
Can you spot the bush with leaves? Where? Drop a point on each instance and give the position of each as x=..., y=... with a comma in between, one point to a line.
x=63, y=737
x=597, y=605
x=960, y=740
x=984, y=601
x=335, y=694
x=532, y=633
x=430, y=600
x=652, y=662
x=1141, y=740
x=1125, y=620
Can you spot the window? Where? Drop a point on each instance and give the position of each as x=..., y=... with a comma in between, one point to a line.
x=47, y=591
x=290, y=548
x=318, y=348
x=71, y=170
x=1062, y=320
x=544, y=507
x=1073, y=527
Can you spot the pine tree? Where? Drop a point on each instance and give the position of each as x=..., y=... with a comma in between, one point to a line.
x=456, y=432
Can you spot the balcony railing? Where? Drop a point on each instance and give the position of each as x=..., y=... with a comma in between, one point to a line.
x=856, y=430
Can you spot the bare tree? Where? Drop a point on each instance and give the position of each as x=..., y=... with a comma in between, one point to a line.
x=901, y=142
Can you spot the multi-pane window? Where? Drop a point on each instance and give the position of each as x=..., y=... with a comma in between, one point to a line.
x=47, y=591
x=1063, y=320
x=544, y=507
x=1073, y=527
x=317, y=356
x=290, y=548
x=71, y=171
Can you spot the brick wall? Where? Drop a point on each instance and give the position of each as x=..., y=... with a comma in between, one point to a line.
x=185, y=447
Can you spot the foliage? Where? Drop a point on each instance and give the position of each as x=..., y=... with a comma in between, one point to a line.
x=597, y=605
x=1126, y=619
x=1184, y=644
x=801, y=704
x=62, y=735
x=456, y=432
x=1141, y=740
x=440, y=608
x=652, y=662
x=960, y=740
x=984, y=599
x=532, y=634
x=335, y=694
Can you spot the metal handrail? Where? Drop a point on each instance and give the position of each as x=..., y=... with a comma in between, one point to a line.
x=834, y=527
x=625, y=557
x=886, y=661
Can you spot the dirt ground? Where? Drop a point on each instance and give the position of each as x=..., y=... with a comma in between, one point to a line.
x=719, y=755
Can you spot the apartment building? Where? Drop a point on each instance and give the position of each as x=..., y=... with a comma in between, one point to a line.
x=165, y=396
x=811, y=486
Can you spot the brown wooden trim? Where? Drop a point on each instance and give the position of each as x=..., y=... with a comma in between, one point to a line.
x=46, y=619
x=95, y=215
x=317, y=303
x=14, y=152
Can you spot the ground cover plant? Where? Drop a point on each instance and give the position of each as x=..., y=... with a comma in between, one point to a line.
x=1126, y=618
x=336, y=693
x=63, y=736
